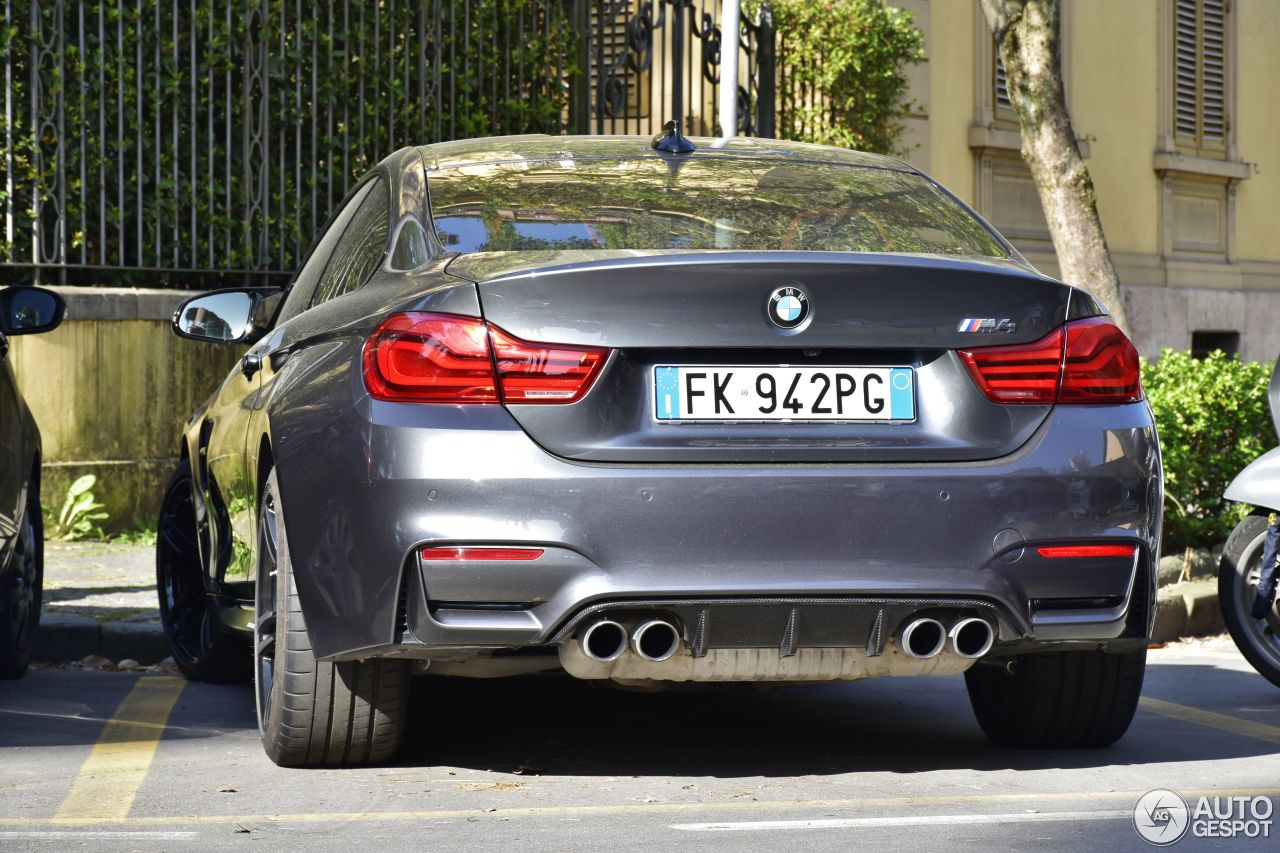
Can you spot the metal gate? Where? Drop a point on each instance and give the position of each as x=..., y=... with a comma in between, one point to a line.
x=651, y=61
x=189, y=143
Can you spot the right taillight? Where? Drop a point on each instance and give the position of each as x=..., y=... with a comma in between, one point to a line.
x=419, y=357
x=1085, y=361
x=1101, y=365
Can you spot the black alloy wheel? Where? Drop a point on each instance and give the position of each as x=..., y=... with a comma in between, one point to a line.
x=22, y=593
x=187, y=611
x=264, y=622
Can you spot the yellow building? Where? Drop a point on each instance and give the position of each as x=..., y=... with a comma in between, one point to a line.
x=1174, y=102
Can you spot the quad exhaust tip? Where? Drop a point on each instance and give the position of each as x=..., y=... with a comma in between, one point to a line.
x=656, y=640
x=604, y=641
x=923, y=638
x=971, y=638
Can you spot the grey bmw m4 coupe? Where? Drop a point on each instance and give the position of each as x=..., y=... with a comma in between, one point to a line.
x=756, y=412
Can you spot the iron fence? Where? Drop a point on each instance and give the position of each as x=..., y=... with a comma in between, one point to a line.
x=193, y=142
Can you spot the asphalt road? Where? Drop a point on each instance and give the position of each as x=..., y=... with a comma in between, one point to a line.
x=88, y=761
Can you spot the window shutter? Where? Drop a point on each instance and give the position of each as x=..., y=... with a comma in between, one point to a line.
x=1001, y=83
x=1213, y=73
x=1200, y=75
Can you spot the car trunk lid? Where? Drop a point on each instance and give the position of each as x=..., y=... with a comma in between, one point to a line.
x=712, y=308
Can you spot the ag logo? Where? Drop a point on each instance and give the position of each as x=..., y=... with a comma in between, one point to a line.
x=1161, y=817
x=788, y=307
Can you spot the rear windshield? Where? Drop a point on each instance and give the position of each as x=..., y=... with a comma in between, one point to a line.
x=713, y=202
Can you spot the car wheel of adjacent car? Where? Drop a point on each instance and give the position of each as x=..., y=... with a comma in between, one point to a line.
x=21, y=592
x=314, y=712
x=187, y=613
x=1057, y=699
x=1238, y=573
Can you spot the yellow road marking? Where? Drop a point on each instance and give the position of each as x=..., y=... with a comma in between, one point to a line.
x=110, y=777
x=1212, y=720
x=627, y=808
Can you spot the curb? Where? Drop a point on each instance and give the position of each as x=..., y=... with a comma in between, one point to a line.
x=1187, y=609
x=66, y=637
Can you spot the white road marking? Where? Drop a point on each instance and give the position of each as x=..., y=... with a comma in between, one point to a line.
x=904, y=820
x=112, y=834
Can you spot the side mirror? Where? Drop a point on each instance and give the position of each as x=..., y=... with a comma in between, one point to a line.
x=225, y=316
x=30, y=310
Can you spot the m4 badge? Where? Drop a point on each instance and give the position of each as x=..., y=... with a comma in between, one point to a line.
x=987, y=325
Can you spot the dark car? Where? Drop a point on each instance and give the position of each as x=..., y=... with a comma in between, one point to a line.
x=763, y=411
x=23, y=311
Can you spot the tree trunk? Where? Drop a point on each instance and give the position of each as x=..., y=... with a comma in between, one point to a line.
x=1027, y=35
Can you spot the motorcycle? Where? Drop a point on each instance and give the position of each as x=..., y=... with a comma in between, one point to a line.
x=1247, y=574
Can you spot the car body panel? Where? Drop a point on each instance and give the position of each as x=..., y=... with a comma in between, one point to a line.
x=695, y=530
x=19, y=447
x=651, y=302
x=20, y=443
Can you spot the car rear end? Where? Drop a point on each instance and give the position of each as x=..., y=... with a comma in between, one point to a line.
x=724, y=452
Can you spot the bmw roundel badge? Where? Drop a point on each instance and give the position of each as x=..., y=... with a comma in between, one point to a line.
x=788, y=307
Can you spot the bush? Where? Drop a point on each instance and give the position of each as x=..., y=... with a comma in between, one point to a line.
x=840, y=70
x=1213, y=420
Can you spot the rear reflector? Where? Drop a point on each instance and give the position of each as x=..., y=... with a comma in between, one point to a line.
x=416, y=357
x=1087, y=551
x=474, y=554
x=1086, y=361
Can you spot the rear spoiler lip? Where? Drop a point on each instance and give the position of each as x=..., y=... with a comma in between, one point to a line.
x=495, y=267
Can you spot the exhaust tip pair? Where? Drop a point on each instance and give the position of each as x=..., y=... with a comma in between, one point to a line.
x=926, y=638
x=656, y=640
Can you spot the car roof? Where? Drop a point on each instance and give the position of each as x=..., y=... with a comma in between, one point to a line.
x=444, y=156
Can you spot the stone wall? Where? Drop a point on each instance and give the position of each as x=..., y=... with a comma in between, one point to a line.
x=110, y=389
x=1166, y=317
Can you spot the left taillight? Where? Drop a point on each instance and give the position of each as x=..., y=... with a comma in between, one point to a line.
x=419, y=357
x=430, y=358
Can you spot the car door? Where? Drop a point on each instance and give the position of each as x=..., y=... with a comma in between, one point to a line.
x=13, y=468
x=230, y=487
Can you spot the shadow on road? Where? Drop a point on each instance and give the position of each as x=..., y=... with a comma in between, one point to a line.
x=556, y=726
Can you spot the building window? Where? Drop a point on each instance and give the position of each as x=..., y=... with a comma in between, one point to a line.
x=1200, y=119
x=1204, y=343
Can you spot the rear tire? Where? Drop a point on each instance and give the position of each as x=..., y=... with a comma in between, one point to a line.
x=200, y=647
x=311, y=712
x=1257, y=639
x=1058, y=699
x=21, y=591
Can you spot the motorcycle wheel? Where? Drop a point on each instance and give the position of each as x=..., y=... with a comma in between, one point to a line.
x=1257, y=639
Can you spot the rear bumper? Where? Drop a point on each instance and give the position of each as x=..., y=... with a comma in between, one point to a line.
x=364, y=496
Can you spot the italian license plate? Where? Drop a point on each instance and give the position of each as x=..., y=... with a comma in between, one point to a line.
x=721, y=392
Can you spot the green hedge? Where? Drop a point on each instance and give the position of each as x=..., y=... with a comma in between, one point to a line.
x=1213, y=420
